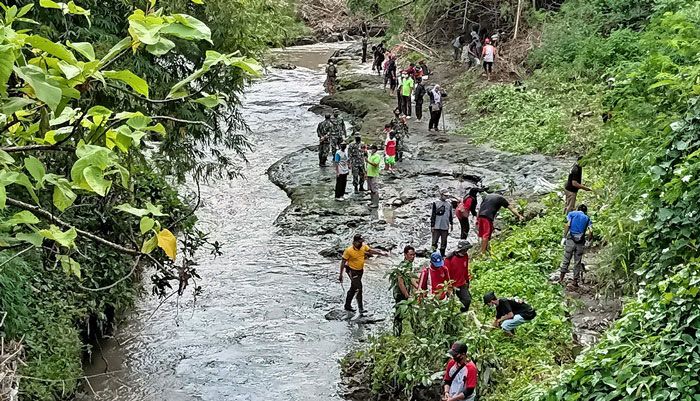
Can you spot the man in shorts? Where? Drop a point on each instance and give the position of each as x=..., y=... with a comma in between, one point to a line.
x=488, y=54
x=490, y=206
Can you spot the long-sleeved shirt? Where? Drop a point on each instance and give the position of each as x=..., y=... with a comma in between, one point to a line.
x=441, y=217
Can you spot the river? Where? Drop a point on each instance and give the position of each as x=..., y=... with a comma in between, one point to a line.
x=258, y=330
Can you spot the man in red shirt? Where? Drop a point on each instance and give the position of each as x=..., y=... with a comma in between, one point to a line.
x=435, y=277
x=457, y=264
x=460, y=375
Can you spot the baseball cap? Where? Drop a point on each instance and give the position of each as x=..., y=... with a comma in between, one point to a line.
x=445, y=192
x=488, y=297
x=457, y=348
x=358, y=238
x=436, y=259
x=463, y=245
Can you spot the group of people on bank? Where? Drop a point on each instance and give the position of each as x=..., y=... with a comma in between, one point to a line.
x=445, y=274
x=481, y=49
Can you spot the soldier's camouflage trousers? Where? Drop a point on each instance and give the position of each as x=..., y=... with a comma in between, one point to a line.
x=323, y=149
x=358, y=175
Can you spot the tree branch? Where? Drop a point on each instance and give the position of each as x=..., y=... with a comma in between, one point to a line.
x=32, y=148
x=133, y=269
x=179, y=120
x=47, y=215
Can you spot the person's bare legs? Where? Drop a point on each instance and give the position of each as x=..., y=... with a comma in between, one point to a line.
x=484, y=245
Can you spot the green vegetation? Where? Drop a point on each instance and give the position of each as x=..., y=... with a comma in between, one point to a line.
x=95, y=133
x=636, y=63
x=519, y=267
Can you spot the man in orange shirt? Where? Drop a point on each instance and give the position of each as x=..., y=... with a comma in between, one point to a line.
x=353, y=263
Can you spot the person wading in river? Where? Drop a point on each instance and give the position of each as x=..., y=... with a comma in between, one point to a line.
x=490, y=206
x=457, y=264
x=373, y=162
x=510, y=313
x=466, y=207
x=573, y=184
x=460, y=378
x=358, y=154
x=324, y=131
x=331, y=73
x=403, y=281
x=574, y=242
x=364, y=47
x=436, y=95
x=441, y=221
x=342, y=169
x=353, y=264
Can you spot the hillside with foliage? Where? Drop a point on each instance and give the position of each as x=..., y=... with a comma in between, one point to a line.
x=617, y=81
x=104, y=108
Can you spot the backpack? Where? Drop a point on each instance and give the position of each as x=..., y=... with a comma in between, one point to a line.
x=439, y=211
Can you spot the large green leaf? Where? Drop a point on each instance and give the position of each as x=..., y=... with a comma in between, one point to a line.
x=187, y=27
x=53, y=48
x=94, y=177
x=69, y=265
x=64, y=238
x=35, y=167
x=5, y=158
x=3, y=197
x=63, y=195
x=33, y=238
x=83, y=48
x=23, y=217
x=44, y=87
x=127, y=208
x=115, y=50
x=7, y=61
x=136, y=83
x=212, y=59
x=162, y=47
x=13, y=104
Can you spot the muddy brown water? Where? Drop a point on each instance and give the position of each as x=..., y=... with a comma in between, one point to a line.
x=258, y=330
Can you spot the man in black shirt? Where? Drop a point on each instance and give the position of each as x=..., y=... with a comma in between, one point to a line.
x=418, y=95
x=491, y=204
x=510, y=313
x=573, y=184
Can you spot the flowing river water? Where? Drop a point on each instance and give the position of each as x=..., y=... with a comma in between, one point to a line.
x=258, y=330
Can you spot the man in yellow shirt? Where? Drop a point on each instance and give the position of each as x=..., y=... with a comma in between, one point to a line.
x=353, y=264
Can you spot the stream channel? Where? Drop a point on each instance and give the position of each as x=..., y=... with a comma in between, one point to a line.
x=260, y=330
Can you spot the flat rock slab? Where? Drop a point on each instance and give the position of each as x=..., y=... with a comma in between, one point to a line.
x=342, y=315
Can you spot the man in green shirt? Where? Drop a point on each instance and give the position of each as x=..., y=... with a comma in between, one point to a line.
x=406, y=91
x=403, y=281
x=373, y=161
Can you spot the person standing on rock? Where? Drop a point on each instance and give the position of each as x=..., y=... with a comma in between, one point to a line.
x=357, y=154
x=391, y=74
x=331, y=74
x=510, y=313
x=373, y=162
x=406, y=91
x=418, y=95
x=379, y=58
x=436, y=96
x=324, y=131
x=488, y=53
x=401, y=132
x=460, y=379
x=435, y=278
x=466, y=207
x=390, y=152
x=490, y=206
x=574, y=242
x=339, y=132
x=573, y=184
x=342, y=169
x=457, y=45
x=353, y=264
x=403, y=281
x=457, y=264
x=424, y=68
x=364, y=47
x=441, y=221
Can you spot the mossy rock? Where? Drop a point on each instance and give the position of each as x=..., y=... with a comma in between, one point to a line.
x=355, y=81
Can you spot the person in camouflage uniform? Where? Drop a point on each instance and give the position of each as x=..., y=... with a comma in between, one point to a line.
x=400, y=128
x=339, y=133
x=325, y=132
x=358, y=154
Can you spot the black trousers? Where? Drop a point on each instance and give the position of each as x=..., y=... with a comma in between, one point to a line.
x=442, y=236
x=364, y=54
x=434, y=118
x=464, y=228
x=341, y=181
x=465, y=297
x=355, y=290
x=406, y=105
x=419, y=110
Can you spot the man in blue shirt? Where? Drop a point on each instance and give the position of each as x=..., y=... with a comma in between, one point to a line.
x=574, y=241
